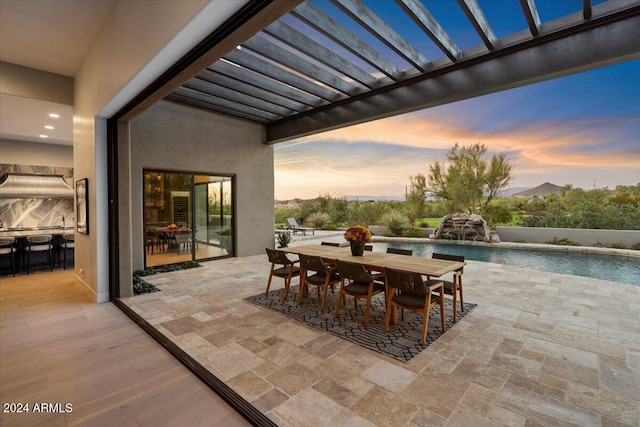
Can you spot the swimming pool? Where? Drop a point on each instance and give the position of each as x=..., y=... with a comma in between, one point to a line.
x=620, y=269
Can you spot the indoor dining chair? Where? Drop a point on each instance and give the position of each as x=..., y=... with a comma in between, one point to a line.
x=40, y=243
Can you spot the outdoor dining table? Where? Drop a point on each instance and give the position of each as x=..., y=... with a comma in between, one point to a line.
x=378, y=261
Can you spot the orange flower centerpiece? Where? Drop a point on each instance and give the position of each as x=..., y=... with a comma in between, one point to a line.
x=357, y=236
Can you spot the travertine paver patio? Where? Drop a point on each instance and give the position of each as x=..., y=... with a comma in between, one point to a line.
x=540, y=349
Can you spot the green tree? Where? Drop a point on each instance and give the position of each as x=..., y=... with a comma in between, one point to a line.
x=417, y=197
x=470, y=182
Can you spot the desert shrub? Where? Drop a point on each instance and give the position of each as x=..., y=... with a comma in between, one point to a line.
x=284, y=239
x=413, y=232
x=497, y=214
x=318, y=220
x=636, y=246
x=396, y=221
x=428, y=222
x=619, y=245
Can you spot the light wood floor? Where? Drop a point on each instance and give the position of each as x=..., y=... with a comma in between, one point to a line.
x=58, y=347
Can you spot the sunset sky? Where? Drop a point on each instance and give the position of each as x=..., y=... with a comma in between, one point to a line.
x=582, y=130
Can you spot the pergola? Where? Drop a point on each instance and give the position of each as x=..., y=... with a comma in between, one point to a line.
x=301, y=69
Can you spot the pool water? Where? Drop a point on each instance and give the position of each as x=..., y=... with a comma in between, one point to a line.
x=607, y=267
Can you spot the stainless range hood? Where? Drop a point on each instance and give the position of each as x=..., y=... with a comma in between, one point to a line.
x=34, y=186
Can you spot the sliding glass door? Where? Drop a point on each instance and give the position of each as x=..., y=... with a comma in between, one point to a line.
x=188, y=217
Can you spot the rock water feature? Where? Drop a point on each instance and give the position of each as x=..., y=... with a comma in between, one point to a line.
x=461, y=226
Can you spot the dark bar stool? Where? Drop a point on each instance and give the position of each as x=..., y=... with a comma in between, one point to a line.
x=68, y=243
x=39, y=243
x=8, y=247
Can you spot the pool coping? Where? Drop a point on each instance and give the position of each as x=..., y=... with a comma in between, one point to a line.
x=631, y=253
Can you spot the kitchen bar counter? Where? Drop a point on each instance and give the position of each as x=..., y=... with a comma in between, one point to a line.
x=24, y=232
x=21, y=244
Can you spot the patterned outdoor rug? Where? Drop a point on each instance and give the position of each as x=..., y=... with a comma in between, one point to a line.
x=402, y=342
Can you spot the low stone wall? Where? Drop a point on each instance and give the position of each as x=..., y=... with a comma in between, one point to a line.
x=581, y=236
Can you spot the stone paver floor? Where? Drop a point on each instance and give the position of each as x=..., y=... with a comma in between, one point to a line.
x=540, y=349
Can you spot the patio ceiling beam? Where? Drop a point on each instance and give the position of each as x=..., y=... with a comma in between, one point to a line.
x=476, y=16
x=247, y=22
x=378, y=28
x=581, y=47
x=423, y=18
x=294, y=38
x=224, y=93
x=586, y=9
x=231, y=105
x=262, y=46
x=531, y=15
x=245, y=88
x=345, y=38
x=254, y=81
x=187, y=100
x=260, y=66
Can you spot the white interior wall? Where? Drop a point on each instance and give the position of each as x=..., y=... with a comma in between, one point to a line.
x=133, y=35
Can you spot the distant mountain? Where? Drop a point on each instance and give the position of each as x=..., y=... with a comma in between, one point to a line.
x=540, y=191
x=513, y=190
x=376, y=198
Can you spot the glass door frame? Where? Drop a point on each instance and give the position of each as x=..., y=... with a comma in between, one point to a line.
x=192, y=212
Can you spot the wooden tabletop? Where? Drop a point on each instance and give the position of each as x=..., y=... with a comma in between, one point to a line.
x=426, y=266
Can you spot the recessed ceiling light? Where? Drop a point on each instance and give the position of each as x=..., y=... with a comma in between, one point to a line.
x=49, y=127
x=44, y=136
x=54, y=115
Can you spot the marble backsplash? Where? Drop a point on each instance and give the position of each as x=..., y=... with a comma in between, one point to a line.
x=24, y=212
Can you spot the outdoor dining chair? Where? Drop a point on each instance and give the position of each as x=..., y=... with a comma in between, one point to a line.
x=324, y=276
x=399, y=251
x=407, y=290
x=356, y=281
x=453, y=287
x=287, y=269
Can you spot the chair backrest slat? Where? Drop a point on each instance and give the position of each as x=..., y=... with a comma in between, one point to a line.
x=278, y=257
x=313, y=263
x=337, y=245
x=399, y=251
x=449, y=257
x=406, y=281
x=353, y=271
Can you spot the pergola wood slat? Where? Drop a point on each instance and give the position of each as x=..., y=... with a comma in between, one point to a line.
x=378, y=28
x=315, y=50
x=345, y=38
x=253, y=78
x=225, y=93
x=476, y=16
x=256, y=91
x=248, y=110
x=423, y=18
x=269, y=50
x=531, y=14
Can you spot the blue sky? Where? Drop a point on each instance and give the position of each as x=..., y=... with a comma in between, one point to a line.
x=582, y=130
